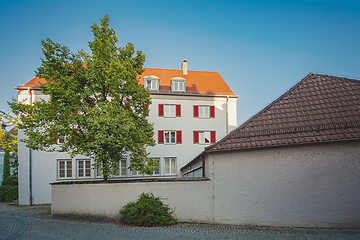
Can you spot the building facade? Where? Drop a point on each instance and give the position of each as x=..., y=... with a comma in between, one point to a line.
x=190, y=110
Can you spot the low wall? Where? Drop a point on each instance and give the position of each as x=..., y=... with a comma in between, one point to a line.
x=191, y=199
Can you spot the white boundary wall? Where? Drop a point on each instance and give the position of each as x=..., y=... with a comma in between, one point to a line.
x=305, y=186
x=190, y=199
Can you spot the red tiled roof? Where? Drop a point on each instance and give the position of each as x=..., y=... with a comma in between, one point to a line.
x=198, y=82
x=35, y=82
x=320, y=108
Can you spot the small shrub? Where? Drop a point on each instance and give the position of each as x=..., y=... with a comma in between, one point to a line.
x=147, y=211
x=8, y=193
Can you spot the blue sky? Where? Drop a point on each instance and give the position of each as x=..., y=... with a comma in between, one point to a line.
x=260, y=48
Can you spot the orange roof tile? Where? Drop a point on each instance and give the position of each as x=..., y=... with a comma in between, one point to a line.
x=35, y=82
x=197, y=82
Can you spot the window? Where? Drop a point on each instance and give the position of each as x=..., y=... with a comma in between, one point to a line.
x=83, y=168
x=201, y=111
x=134, y=172
x=151, y=82
x=204, y=137
x=64, y=168
x=1, y=160
x=122, y=168
x=98, y=172
x=157, y=171
x=178, y=84
x=170, y=166
x=169, y=110
x=196, y=172
x=61, y=140
x=169, y=137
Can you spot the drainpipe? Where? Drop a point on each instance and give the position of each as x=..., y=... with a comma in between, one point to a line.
x=30, y=162
x=203, y=166
x=30, y=178
x=227, y=113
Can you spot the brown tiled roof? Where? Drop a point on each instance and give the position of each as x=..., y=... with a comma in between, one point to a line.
x=320, y=108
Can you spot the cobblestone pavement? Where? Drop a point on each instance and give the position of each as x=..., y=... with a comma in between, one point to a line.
x=35, y=222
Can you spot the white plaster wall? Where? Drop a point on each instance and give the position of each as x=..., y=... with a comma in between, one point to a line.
x=190, y=200
x=304, y=186
x=44, y=170
x=187, y=150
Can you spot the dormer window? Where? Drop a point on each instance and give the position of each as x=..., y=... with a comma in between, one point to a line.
x=178, y=84
x=151, y=82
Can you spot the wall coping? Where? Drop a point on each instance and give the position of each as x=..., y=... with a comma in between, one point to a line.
x=194, y=179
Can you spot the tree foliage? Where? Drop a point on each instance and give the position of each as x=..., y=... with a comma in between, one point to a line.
x=9, y=142
x=95, y=105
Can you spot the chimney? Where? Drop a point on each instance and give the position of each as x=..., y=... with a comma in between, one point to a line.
x=184, y=67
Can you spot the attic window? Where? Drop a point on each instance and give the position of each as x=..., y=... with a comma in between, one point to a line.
x=178, y=84
x=151, y=82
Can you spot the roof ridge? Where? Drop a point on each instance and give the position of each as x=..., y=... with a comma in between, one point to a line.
x=299, y=129
x=180, y=70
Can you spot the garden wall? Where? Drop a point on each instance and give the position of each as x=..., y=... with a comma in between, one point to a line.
x=190, y=198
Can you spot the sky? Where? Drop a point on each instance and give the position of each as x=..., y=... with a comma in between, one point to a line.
x=260, y=48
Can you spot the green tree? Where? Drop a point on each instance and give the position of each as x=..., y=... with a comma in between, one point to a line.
x=9, y=142
x=95, y=103
x=6, y=166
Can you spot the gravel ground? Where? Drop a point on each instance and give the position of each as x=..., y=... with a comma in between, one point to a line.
x=36, y=222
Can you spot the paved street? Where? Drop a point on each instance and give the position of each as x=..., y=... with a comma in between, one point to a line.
x=35, y=222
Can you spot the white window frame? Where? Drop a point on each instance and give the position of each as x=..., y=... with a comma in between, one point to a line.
x=151, y=82
x=204, y=137
x=135, y=173
x=178, y=84
x=170, y=166
x=98, y=173
x=121, y=164
x=204, y=111
x=61, y=140
x=1, y=160
x=67, y=163
x=168, y=139
x=85, y=170
x=157, y=171
x=169, y=110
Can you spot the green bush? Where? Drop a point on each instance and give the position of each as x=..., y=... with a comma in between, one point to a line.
x=147, y=211
x=8, y=193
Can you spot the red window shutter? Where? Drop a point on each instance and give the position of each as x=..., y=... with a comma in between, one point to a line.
x=212, y=111
x=196, y=136
x=212, y=136
x=73, y=134
x=51, y=136
x=160, y=136
x=146, y=110
x=161, y=110
x=178, y=137
x=196, y=111
x=178, y=110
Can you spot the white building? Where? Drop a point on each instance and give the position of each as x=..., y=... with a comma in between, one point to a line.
x=190, y=110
